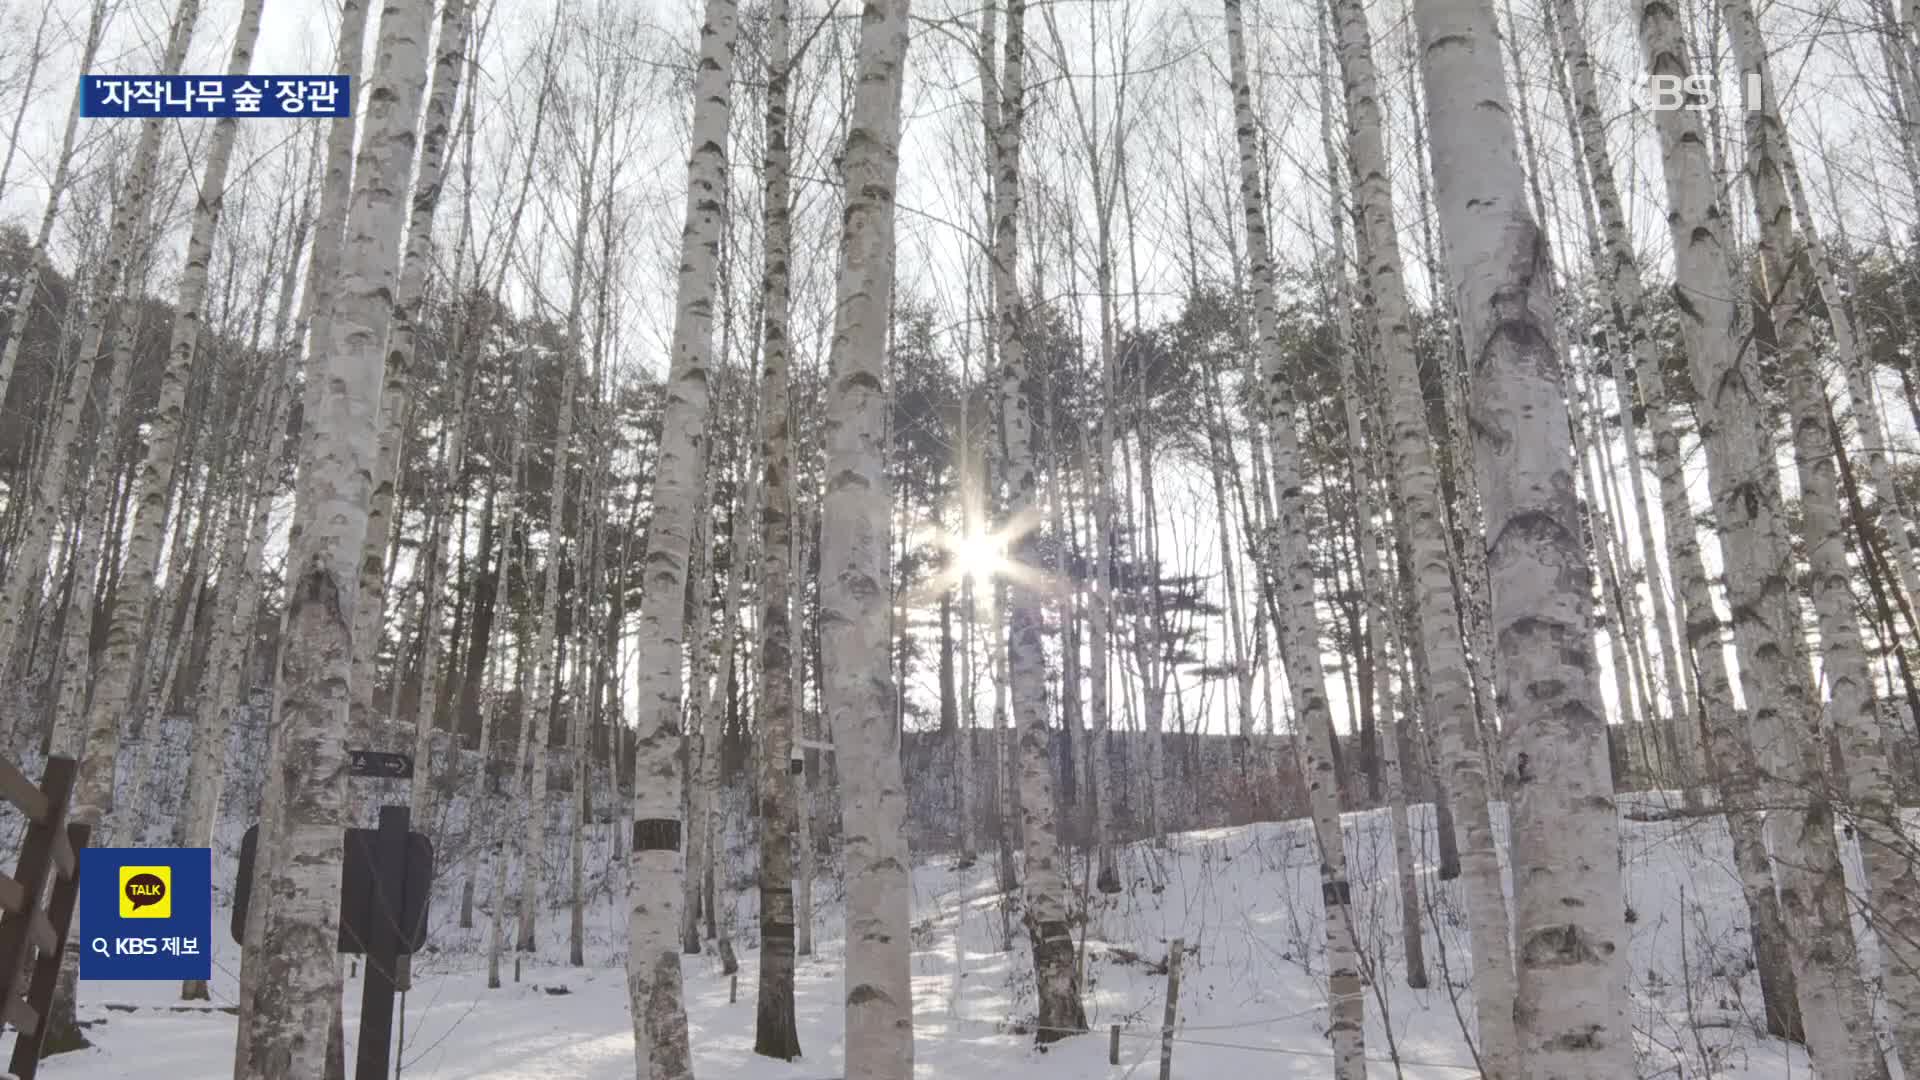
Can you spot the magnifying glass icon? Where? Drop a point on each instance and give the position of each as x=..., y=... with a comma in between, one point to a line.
x=100, y=946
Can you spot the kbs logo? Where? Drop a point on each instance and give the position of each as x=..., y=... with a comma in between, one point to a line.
x=146, y=892
x=1671, y=93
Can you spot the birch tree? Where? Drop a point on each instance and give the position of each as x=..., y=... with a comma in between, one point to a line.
x=856, y=677
x=1570, y=1011
x=398, y=376
x=1292, y=578
x=1449, y=693
x=775, y=1033
x=113, y=689
x=26, y=562
x=299, y=988
x=1891, y=876
x=654, y=872
x=1045, y=891
x=1737, y=430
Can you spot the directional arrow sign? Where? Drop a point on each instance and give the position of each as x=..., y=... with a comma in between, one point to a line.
x=378, y=764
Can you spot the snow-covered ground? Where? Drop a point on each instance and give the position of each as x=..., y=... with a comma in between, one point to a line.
x=1244, y=899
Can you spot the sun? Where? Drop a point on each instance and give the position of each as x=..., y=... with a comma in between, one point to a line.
x=979, y=556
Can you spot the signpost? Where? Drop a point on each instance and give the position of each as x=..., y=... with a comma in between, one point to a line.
x=385, y=877
x=383, y=947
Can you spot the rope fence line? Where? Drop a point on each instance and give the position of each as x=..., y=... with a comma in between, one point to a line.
x=1155, y=1034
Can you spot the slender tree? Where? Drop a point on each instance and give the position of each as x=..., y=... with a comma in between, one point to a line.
x=775, y=1033
x=1737, y=429
x=654, y=872
x=856, y=676
x=299, y=989
x=1045, y=891
x=1291, y=577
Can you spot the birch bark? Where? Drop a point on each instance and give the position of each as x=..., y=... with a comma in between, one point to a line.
x=655, y=871
x=113, y=687
x=1450, y=695
x=856, y=677
x=1298, y=629
x=1045, y=885
x=775, y=1033
x=1737, y=429
x=369, y=621
x=299, y=971
x=1372, y=574
x=1570, y=1009
x=1893, y=882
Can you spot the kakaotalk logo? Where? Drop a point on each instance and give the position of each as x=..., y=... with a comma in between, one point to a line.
x=146, y=892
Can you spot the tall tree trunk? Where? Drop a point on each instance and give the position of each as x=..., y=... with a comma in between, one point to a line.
x=1712, y=716
x=113, y=689
x=1570, y=1012
x=396, y=395
x=546, y=674
x=300, y=971
x=775, y=1033
x=705, y=726
x=1045, y=891
x=654, y=874
x=1373, y=579
x=1738, y=433
x=456, y=22
x=1449, y=701
x=1292, y=572
x=1893, y=882
x=809, y=733
x=854, y=514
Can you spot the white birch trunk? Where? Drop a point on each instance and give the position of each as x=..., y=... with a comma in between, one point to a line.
x=1570, y=1008
x=1449, y=702
x=1893, y=882
x=299, y=987
x=775, y=1033
x=113, y=689
x=857, y=691
x=1293, y=571
x=1045, y=892
x=655, y=870
x=449, y=65
x=1373, y=581
x=1746, y=501
x=369, y=620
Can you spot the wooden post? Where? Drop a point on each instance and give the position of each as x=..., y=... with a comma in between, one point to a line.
x=383, y=952
x=1173, y=1007
x=1113, y=1045
x=733, y=989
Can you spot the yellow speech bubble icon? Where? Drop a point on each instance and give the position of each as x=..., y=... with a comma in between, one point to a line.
x=146, y=892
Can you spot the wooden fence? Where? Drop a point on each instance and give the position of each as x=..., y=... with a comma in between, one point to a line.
x=33, y=934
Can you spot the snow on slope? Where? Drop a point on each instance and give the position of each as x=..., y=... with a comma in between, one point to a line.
x=1244, y=899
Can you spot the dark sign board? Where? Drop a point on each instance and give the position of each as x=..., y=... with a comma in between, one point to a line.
x=378, y=763
x=357, y=904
